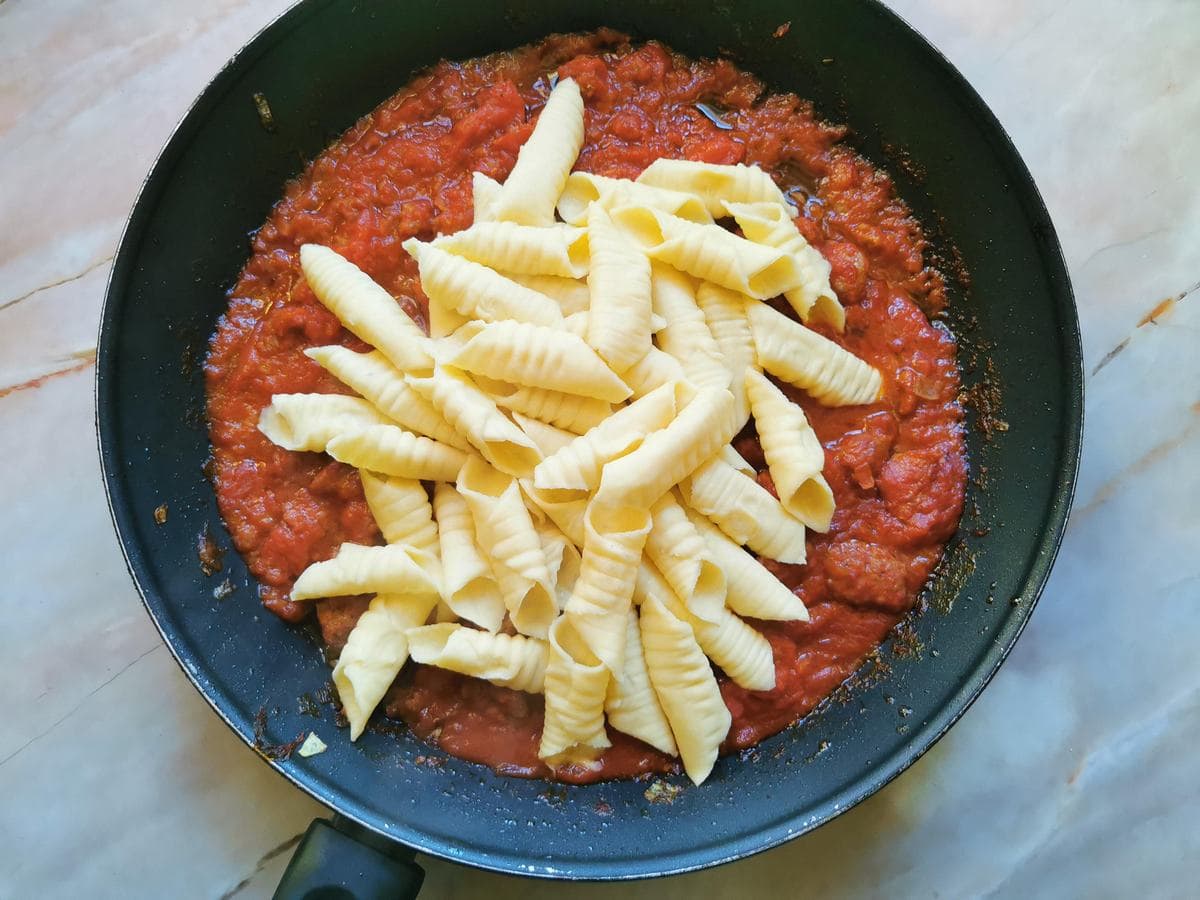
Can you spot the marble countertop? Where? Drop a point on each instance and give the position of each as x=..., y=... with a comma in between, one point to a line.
x=1074, y=775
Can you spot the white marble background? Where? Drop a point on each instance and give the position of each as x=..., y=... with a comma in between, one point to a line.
x=1074, y=775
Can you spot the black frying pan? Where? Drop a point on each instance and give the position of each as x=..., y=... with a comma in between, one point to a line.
x=321, y=66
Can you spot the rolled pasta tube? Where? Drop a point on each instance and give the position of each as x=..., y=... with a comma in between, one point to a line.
x=559, y=249
x=549, y=438
x=772, y=225
x=568, y=411
x=469, y=586
x=631, y=704
x=484, y=190
x=681, y=555
x=476, y=291
x=788, y=350
x=745, y=510
x=735, y=459
x=544, y=161
x=686, y=688
x=474, y=415
x=742, y=653
x=571, y=295
x=536, y=356
x=564, y=508
x=401, y=510
x=584, y=189
x=578, y=465
x=311, y=421
x=365, y=308
x=509, y=660
x=444, y=320
x=575, y=686
x=394, y=569
x=725, y=313
x=709, y=252
x=793, y=452
x=619, y=285
x=577, y=323
x=750, y=588
x=375, y=652
x=393, y=451
x=377, y=380
x=652, y=371
x=685, y=335
x=714, y=184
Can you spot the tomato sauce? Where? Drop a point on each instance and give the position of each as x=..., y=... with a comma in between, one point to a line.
x=897, y=467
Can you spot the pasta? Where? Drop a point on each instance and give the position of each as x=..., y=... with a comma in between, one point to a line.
x=469, y=588
x=735, y=459
x=394, y=569
x=548, y=438
x=725, y=313
x=681, y=555
x=619, y=284
x=564, y=508
x=567, y=411
x=576, y=685
x=484, y=191
x=714, y=184
x=584, y=189
x=394, y=451
x=401, y=510
x=652, y=371
x=631, y=704
x=509, y=660
x=794, y=455
x=557, y=250
x=685, y=335
x=802, y=357
x=570, y=294
x=310, y=421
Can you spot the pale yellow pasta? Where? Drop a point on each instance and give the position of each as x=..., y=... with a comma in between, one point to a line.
x=548, y=438
x=725, y=313
x=505, y=533
x=681, y=555
x=311, y=421
x=750, y=588
x=788, y=350
x=578, y=465
x=375, y=652
x=556, y=250
x=365, y=308
x=509, y=660
x=742, y=653
x=685, y=686
x=484, y=191
x=393, y=451
x=631, y=704
x=469, y=586
x=567, y=575
x=745, y=511
x=567, y=411
x=709, y=252
x=536, y=356
x=394, y=569
x=772, y=224
x=476, y=291
x=714, y=184
x=571, y=295
x=401, y=510
x=444, y=320
x=529, y=193
x=583, y=189
x=575, y=686
x=685, y=335
x=735, y=459
x=564, y=508
x=619, y=284
x=577, y=323
x=652, y=371
x=371, y=375
x=475, y=416
x=793, y=452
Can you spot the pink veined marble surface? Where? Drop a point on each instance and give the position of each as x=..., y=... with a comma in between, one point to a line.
x=1074, y=775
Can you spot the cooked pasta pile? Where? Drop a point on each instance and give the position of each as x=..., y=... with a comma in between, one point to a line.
x=592, y=534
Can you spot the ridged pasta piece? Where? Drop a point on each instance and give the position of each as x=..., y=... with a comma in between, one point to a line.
x=475, y=416
x=484, y=191
x=365, y=308
x=750, y=588
x=745, y=510
x=556, y=250
x=544, y=161
x=476, y=291
x=793, y=452
x=564, y=508
x=772, y=224
x=401, y=510
x=577, y=323
x=735, y=459
x=570, y=294
x=569, y=568
x=444, y=320
x=686, y=336
x=681, y=555
x=375, y=652
x=567, y=411
x=619, y=284
x=725, y=313
x=311, y=421
x=714, y=184
x=536, y=356
x=508, y=539
x=469, y=586
x=788, y=350
x=371, y=375
x=709, y=252
x=612, y=549
x=631, y=704
x=393, y=451
x=394, y=569
x=652, y=371
x=575, y=687
x=742, y=653
x=577, y=466
x=549, y=438
x=509, y=660
x=686, y=688
x=583, y=189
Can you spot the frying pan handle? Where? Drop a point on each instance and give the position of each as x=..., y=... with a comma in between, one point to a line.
x=340, y=860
